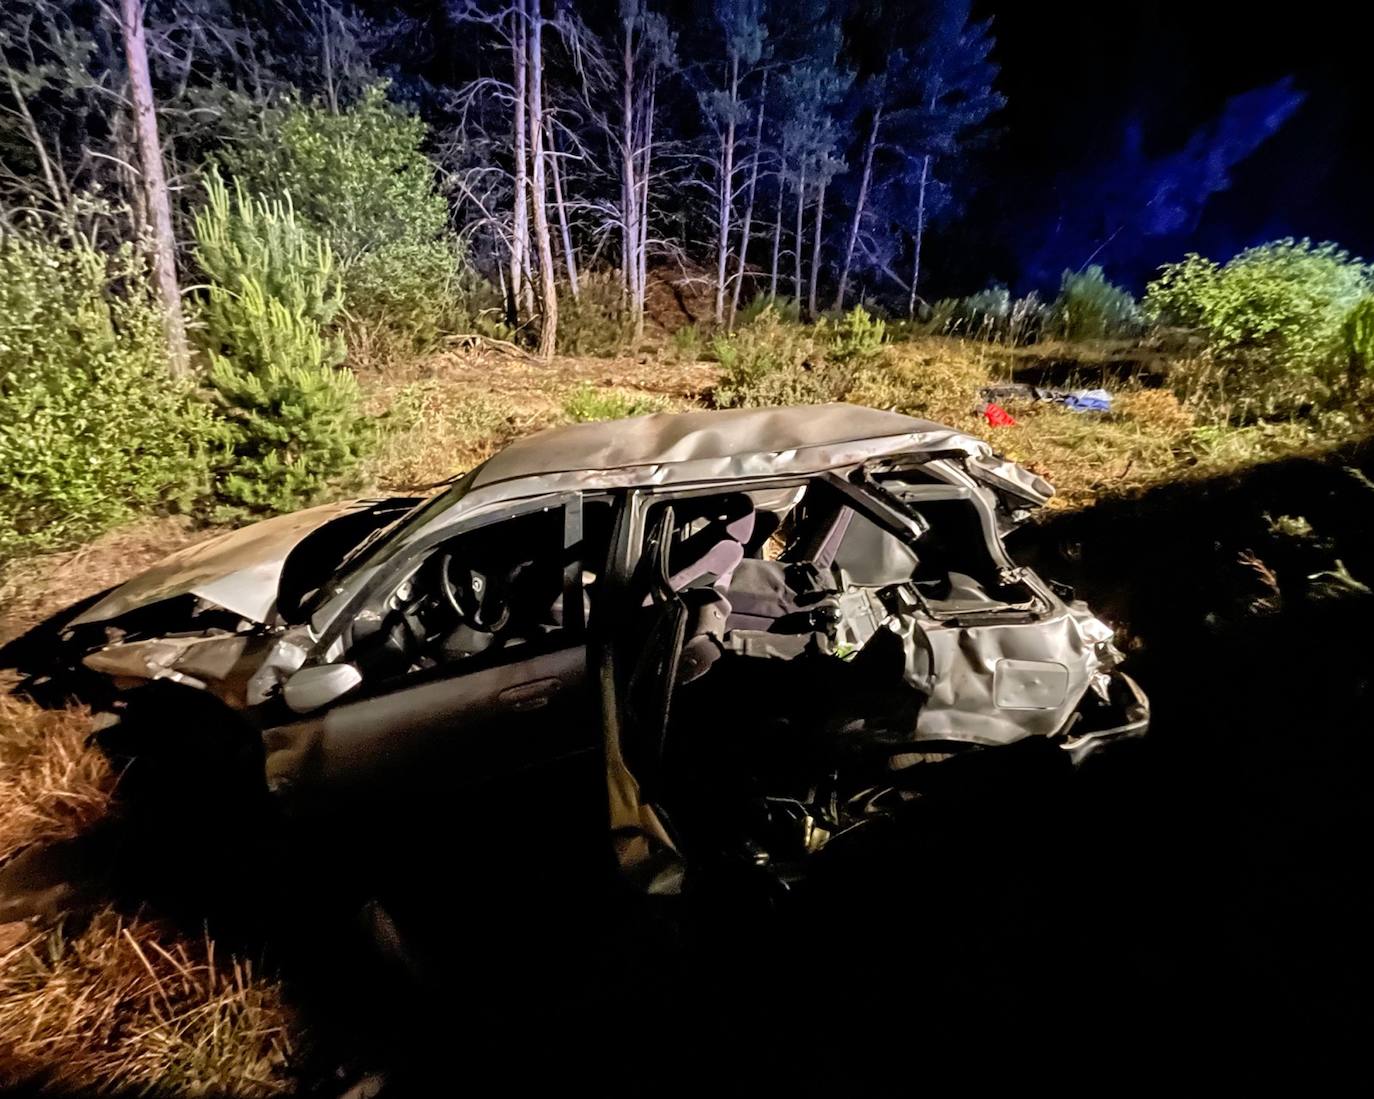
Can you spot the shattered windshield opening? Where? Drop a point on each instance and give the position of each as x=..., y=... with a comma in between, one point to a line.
x=377, y=546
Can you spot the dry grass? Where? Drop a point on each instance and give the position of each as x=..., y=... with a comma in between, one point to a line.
x=114, y=1005
x=1144, y=439
x=451, y=411
x=110, y=1006
x=436, y=434
x=936, y=379
x=128, y=1005
x=32, y=588
x=1148, y=437
x=53, y=784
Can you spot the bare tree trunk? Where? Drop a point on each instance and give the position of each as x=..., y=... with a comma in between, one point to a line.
x=629, y=182
x=548, y=291
x=564, y=229
x=920, y=234
x=643, y=238
x=154, y=184
x=797, y=258
x=749, y=204
x=859, y=205
x=727, y=185
x=626, y=297
x=777, y=239
x=816, y=248
x=519, y=231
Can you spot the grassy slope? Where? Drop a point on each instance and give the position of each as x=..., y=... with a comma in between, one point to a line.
x=126, y=1003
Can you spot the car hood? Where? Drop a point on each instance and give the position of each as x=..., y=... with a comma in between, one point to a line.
x=238, y=570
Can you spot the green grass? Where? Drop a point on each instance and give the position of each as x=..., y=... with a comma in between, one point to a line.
x=588, y=402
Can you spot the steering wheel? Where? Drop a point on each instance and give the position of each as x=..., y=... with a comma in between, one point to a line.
x=474, y=596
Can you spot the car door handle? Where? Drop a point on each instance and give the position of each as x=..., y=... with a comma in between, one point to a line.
x=529, y=696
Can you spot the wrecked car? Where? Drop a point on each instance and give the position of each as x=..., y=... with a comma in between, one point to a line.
x=761, y=622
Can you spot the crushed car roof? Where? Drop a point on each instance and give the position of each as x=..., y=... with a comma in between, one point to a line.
x=665, y=438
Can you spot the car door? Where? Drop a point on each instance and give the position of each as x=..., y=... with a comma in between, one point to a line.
x=462, y=724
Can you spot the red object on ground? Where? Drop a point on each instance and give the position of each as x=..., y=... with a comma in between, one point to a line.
x=997, y=416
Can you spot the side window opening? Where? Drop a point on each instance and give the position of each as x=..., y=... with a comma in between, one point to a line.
x=477, y=596
x=955, y=571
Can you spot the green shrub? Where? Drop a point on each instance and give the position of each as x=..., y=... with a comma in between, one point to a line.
x=1357, y=336
x=361, y=179
x=856, y=338
x=992, y=315
x=981, y=315
x=588, y=402
x=291, y=419
x=1091, y=308
x=274, y=293
x=801, y=383
x=788, y=309
x=1271, y=317
x=595, y=322
x=296, y=433
x=687, y=342
x=767, y=345
x=92, y=427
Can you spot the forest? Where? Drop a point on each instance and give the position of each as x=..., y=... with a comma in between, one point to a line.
x=259, y=255
x=241, y=206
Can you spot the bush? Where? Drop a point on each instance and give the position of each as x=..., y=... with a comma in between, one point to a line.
x=291, y=419
x=935, y=382
x=1091, y=308
x=274, y=287
x=1271, y=317
x=856, y=338
x=802, y=383
x=360, y=178
x=588, y=402
x=767, y=345
x=92, y=427
x=789, y=309
x=992, y=315
x=686, y=342
x=595, y=322
x=1357, y=335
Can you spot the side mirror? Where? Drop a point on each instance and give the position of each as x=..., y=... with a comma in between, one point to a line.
x=319, y=685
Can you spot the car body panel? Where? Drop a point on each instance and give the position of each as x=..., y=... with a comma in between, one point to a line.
x=238, y=570
x=686, y=448
x=455, y=728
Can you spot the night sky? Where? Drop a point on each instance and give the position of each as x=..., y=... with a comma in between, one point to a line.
x=1075, y=73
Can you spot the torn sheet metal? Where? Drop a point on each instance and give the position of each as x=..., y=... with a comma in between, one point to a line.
x=1000, y=683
